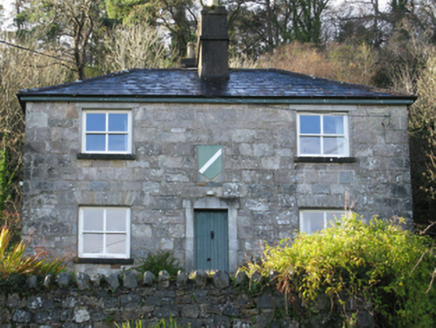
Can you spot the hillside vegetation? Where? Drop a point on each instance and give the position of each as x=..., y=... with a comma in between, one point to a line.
x=56, y=41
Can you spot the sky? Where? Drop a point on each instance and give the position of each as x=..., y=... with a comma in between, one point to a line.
x=8, y=6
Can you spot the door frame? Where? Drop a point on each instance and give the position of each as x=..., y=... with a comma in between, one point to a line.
x=211, y=203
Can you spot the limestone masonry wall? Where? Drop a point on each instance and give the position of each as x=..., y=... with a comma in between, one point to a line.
x=263, y=186
x=194, y=300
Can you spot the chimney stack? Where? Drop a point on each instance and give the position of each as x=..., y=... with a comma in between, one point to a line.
x=213, y=41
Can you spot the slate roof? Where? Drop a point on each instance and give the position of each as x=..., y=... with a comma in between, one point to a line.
x=243, y=83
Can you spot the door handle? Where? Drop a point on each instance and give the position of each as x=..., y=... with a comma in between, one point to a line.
x=212, y=235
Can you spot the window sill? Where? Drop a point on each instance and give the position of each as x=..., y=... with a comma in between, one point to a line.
x=107, y=157
x=78, y=260
x=314, y=159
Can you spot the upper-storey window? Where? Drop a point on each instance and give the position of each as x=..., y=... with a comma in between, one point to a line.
x=323, y=135
x=107, y=132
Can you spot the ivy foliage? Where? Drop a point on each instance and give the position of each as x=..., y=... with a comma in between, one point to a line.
x=380, y=266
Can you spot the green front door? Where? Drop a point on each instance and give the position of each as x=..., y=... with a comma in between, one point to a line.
x=211, y=240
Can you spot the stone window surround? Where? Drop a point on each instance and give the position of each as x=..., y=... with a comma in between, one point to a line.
x=211, y=203
x=92, y=256
x=317, y=210
x=331, y=157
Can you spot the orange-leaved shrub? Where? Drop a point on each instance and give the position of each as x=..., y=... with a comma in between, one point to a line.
x=339, y=62
x=14, y=261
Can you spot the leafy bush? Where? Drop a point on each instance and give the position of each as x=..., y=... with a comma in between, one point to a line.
x=162, y=260
x=385, y=267
x=13, y=261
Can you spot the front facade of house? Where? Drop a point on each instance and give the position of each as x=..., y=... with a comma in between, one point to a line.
x=145, y=160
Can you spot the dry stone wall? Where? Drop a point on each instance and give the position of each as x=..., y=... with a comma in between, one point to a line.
x=192, y=300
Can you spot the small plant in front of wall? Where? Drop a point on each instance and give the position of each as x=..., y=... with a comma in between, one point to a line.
x=254, y=281
x=161, y=324
x=250, y=286
x=162, y=260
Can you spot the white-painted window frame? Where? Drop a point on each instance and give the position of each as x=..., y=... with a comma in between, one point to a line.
x=324, y=211
x=322, y=135
x=82, y=254
x=107, y=133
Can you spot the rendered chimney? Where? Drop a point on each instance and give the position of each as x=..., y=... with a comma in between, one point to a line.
x=190, y=53
x=213, y=57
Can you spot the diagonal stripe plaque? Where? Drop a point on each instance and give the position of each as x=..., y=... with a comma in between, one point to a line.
x=210, y=160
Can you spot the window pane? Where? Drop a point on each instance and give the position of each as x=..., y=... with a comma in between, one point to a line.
x=95, y=122
x=334, y=146
x=116, y=244
x=310, y=124
x=118, y=142
x=334, y=124
x=93, y=219
x=116, y=220
x=95, y=142
x=93, y=243
x=118, y=122
x=310, y=145
x=313, y=222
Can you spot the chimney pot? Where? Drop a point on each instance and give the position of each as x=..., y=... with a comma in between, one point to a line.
x=190, y=50
x=189, y=60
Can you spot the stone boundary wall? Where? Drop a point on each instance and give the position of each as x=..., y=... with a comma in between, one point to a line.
x=192, y=300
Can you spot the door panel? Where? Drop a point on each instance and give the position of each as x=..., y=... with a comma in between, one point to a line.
x=211, y=240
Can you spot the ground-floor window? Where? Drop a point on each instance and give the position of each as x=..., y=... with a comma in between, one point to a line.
x=315, y=220
x=104, y=232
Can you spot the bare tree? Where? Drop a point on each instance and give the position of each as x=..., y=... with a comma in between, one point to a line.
x=422, y=116
x=135, y=46
x=68, y=27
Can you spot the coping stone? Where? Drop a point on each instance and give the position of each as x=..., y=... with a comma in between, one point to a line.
x=113, y=281
x=83, y=281
x=149, y=278
x=129, y=280
x=221, y=279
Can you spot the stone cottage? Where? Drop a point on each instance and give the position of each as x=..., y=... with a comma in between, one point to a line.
x=205, y=161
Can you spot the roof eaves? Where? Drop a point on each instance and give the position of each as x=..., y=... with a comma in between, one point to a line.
x=388, y=100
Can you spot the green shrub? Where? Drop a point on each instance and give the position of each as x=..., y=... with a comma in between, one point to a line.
x=13, y=261
x=385, y=267
x=162, y=260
